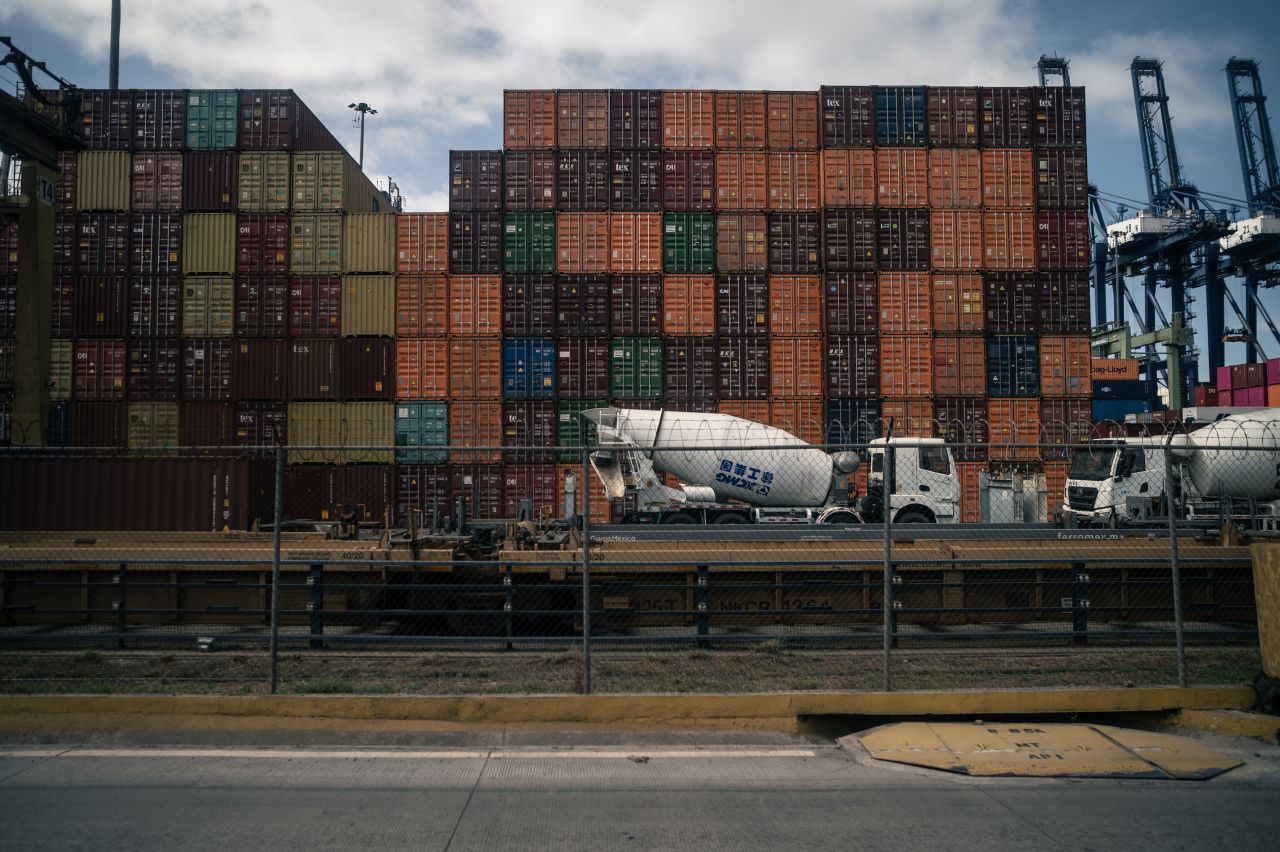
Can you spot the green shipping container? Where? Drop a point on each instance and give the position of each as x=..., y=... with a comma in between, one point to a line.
x=635, y=367
x=420, y=425
x=574, y=431
x=529, y=242
x=212, y=118
x=688, y=242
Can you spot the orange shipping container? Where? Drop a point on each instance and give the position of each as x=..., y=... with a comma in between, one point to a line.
x=797, y=367
x=801, y=417
x=848, y=177
x=955, y=239
x=688, y=118
x=582, y=118
x=740, y=120
x=1013, y=422
x=742, y=180
x=1273, y=396
x=475, y=368
x=689, y=304
x=741, y=244
x=1113, y=369
x=598, y=502
x=957, y=304
x=793, y=121
x=475, y=423
x=528, y=119
x=582, y=242
x=955, y=178
x=1065, y=366
x=794, y=180
x=906, y=366
x=1007, y=179
x=902, y=177
x=422, y=368
x=636, y=242
x=912, y=418
x=422, y=305
x=475, y=305
x=905, y=303
x=1008, y=239
x=1055, y=485
x=970, y=474
x=795, y=305
x=747, y=409
x=960, y=366
x=422, y=242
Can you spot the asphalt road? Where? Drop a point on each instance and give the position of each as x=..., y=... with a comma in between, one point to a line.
x=602, y=791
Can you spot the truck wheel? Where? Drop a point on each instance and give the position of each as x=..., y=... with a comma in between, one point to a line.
x=678, y=518
x=912, y=516
x=841, y=518
x=730, y=518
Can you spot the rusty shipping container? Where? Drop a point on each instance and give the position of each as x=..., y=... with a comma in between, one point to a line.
x=852, y=366
x=368, y=368
x=475, y=368
x=1014, y=428
x=1063, y=424
x=159, y=119
x=475, y=305
x=264, y=182
x=801, y=417
x=475, y=181
x=742, y=305
x=797, y=367
x=422, y=305
x=906, y=365
x=155, y=184
x=262, y=244
x=955, y=178
x=902, y=239
x=953, y=116
x=635, y=119
x=902, y=177
x=742, y=367
x=849, y=177
x=1012, y=303
x=635, y=306
x=582, y=368
x=957, y=304
x=1059, y=116
x=1064, y=302
x=960, y=366
x=315, y=243
x=155, y=306
x=210, y=182
x=852, y=303
x=1005, y=114
x=1009, y=239
x=582, y=306
x=905, y=303
x=102, y=244
x=261, y=306
x=792, y=121
x=475, y=424
x=741, y=244
x=689, y=304
x=582, y=242
x=260, y=424
x=422, y=368
x=962, y=421
x=688, y=118
x=795, y=181
x=152, y=370
x=475, y=243
x=582, y=118
x=528, y=180
x=1065, y=365
x=259, y=369
x=206, y=369
x=635, y=180
x=688, y=180
x=848, y=116
x=528, y=119
x=1062, y=240
x=689, y=369
x=422, y=242
x=955, y=238
x=1007, y=178
x=315, y=306
x=795, y=305
x=635, y=241
x=849, y=239
x=740, y=120
x=742, y=180
x=795, y=243
x=99, y=306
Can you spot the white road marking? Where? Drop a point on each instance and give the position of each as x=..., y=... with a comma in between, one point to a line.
x=444, y=754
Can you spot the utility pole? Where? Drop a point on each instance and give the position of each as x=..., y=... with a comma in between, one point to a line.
x=364, y=109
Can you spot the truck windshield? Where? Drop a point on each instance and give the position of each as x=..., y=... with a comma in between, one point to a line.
x=1092, y=463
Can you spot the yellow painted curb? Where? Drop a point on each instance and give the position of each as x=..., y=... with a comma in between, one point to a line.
x=1231, y=722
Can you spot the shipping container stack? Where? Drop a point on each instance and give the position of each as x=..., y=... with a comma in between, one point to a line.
x=8, y=324
x=1254, y=385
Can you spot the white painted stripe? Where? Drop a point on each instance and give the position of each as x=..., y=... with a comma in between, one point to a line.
x=511, y=754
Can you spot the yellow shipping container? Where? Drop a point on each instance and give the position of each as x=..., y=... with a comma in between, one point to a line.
x=263, y=182
x=368, y=305
x=331, y=180
x=209, y=243
x=60, y=370
x=153, y=425
x=315, y=243
x=369, y=243
x=208, y=304
x=102, y=180
x=336, y=432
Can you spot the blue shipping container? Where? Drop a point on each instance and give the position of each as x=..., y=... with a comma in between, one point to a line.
x=1013, y=366
x=852, y=421
x=900, y=115
x=213, y=117
x=528, y=368
x=1134, y=389
x=420, y=425
x=1116, y=409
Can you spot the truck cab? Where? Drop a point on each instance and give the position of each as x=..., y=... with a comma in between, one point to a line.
x=924, y=486
x=1116, y=480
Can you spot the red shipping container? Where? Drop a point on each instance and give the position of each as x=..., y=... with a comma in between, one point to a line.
x=209, y=181
x=795, y=305
x=598, y=507
x=1062, y=239
x=635, y=241
x=261, y=306
x=582, y=306
x=1007, y=179
x=107, y=117
x=1226, y=398
x=849, y=239
x=1273, y=371
x=582, y=242
x=795, y=243
x=98, y=370
x=528, y=119
x=266, y=120
x=1064, y=302
x=582, y=118
x=688, y=370
x=314, y=372
x=688, y=180
x=9, y=250
x=970, y=474
x=99, y=425
x=528, y=180
x=1255, y=376
x=848, y=116
x=262, y=243
x=688, y=119
x=1224, y=377
x=635, y=306
x=159, y=119
x=848, y=177
x=100, y=306
x=206, y=369
x=635, y=119
x=1204, y=395
x=368, y=368
x=475, y=243
x=207, y=424
x=852, y=303
x=62, y=318
x=962, y=422
x=422, y=305
x=1005, y=114
x=741, y=243
x=528, y=305
x=156, y=182
x=1012, y=303
x=260, y=424
x=475, y=181
x=315, y=306
x=742, y=305
x=102, y=243
x=902, y=239
x=956, y=239
x=689, y=305
x=1015, y=429
x=902, y=177
x=422, y=368
x=535, y=483
x=635, y=180
x=582, y=180
x=743, y=367
x=422, y=242
x=740, y=120
x=793, y=121
x=475, y=368
x=960, y=366
x=258, y=369
x=742, y=180
x=423, y=490
x=1059, y=116
x=475, y=305
x=155, y=307
x=1009, y=239
x=582, y=368
x=957, y=304
x=1062, y=178
x=525, y=424
x=155, y=245
x=152, y=371
x=953, y=116
x=8, y=307
x=853, y=366
x=955, y=178
x=906, y=365
x=64, y=184
x=474, y=425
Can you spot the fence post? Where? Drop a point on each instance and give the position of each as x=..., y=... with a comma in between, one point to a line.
x=275, y=567
x=701, y=593
x=122, y=602
x=1171, y=510
x=315, y=606
x=888, y=616
x=585, y=496
x=1079, y=604
x=509, y=604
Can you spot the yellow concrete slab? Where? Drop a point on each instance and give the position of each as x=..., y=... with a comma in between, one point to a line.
x=1043, y=749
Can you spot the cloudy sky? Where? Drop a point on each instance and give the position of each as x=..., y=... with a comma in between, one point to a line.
x=435, y=69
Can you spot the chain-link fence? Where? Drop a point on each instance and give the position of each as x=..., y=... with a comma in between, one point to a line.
x=673, y=553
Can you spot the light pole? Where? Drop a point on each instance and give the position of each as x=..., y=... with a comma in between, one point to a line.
x=364, y=109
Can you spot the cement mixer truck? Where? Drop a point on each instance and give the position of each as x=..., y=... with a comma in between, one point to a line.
x=1225, y=471
x=731, y=470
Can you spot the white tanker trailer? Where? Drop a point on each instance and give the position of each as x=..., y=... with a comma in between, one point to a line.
x=1228, y=470
x=733, y=470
